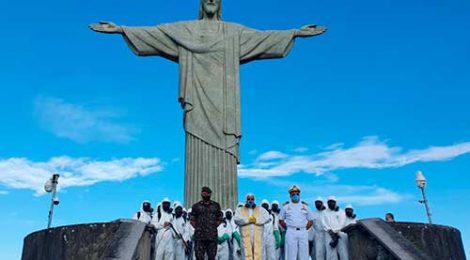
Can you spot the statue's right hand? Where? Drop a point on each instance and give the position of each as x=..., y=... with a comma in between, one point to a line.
x=310, y=30
x=105, y=27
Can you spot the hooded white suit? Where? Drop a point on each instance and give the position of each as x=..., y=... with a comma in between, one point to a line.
x=279, y=251
x=235, y=238
x=318, y=236
x=142, y=215
x=224, y=232
x=333, y=220
x=269, y=243
x=182, y=227
x=164, y=243
x=348, y=220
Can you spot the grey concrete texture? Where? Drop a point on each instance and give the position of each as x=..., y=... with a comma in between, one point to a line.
x=370, y=239
x=118, y=240
x=438, y=241
x=377, y=239
x=209, y=52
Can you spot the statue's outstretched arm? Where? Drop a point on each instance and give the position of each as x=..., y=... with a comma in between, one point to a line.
x=106, y=27
x=142, y=40
x=310, y=30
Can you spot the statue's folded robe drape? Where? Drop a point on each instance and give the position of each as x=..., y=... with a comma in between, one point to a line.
x=209, y=62
x=209, y=71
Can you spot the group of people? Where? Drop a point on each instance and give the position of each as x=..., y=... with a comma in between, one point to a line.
x=269, y=231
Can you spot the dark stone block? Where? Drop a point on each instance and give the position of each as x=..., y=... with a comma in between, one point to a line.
x=121, y=239
x=441, y=242
x=370, y=239
x=374, y=239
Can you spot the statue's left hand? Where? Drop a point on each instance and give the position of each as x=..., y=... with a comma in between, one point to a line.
x=310, y=30
x=105, y=27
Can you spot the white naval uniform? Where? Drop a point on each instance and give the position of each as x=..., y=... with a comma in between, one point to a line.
x=296, y=216
x=334, y=220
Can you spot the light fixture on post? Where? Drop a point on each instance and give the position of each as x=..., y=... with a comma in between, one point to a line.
x=421, y=183
x=51, y=186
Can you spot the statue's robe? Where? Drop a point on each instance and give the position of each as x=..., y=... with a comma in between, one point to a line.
x=209, y=54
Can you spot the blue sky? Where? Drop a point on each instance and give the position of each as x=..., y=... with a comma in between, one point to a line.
x=353, y=113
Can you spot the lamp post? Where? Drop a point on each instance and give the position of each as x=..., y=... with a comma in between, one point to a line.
x=421, y=183
x=51, y=186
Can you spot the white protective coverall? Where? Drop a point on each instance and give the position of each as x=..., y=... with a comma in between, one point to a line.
x=141, y=215
x=191, y=235
x=347, y=220
x=164, y=243
x=279, y=251
x=235, y=238
x=251, y=234
x=182, y=227
x=333, y=220
x=317, y=235
x=269, y=244
x=224, y=234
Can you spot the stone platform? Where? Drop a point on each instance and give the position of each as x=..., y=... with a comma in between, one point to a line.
x=117, y=240
x=374, y=239
x=369, y=239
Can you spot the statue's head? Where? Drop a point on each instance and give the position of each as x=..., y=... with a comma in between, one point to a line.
x=210, y=9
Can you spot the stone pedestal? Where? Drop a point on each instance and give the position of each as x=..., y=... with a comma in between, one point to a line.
x=370, y=239
x=374, y=239
x=118, y=240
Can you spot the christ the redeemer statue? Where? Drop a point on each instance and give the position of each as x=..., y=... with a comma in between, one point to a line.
x=209, y=53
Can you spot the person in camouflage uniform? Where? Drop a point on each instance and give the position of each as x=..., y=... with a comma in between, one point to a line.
x=206, y=216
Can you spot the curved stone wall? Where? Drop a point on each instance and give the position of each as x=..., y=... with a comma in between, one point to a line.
x=121, y=239
x=438, y=241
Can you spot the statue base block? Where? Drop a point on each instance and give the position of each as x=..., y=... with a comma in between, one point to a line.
x=375, y=239
x=118, y=240
x=369, y=239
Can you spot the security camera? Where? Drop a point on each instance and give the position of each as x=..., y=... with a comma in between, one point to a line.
x=48, y=187
x=51, y=186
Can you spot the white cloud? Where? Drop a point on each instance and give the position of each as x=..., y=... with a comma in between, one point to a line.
x=362, y=195
x=357, y=195
x=271, y=155
x=301, y=149
x=81, y=124
x=370, y=153
x=21, y=173
x=372, y=196
x=334, y=146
